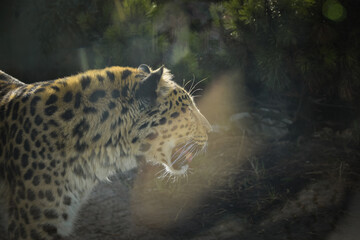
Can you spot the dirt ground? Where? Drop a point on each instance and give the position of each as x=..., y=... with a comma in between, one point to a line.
x=241, y=189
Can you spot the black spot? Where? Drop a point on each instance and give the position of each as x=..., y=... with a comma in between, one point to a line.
x=81, y=147
x=144, y=147
x=152, y=136
x=78, y=170
x=23, y=233
x=125, y=74
x=59, y=191
x=28, y=175
x=35, y=212
x=34, y=165
x=183, y=110
x=67, y=115
x=33, y=134
x=50, y=110
x=12, y=226
x=110, y=75
x=100, y=78
x=33, y=104
x=36, y=180
x=163, y=112
x=47, y=178
x=115, y=93
x=96, y=95
x=174, y=115
x=124, y=110
x=55, y=88
x=27, y=125
x=39, y=90
x=85, y=82
x=109, y=142
x=9, y=109
x=53, y=134
x=77, y=100
x=179, y=99
x=30, y=195
x=175, y=92
x=177, y=103
x=67, y=200
x=41, y=194
x=49, y=195
x=21, y=193
x=170, y=105
x=134, y=140
x=51, y=100
x=50, y=214
x=104, y=116
x=153, y=113
x=88, y=110
x=162, y=121
x=144, y=125
x=25, y=98
x=35, y=235
x=96, y=137
x=26, y=145
x=24, y=160
x=41, y=165
x=49, y=229
x=38, y=120
x=65, y=216
x=53, y=123
x=45, y=127
x=16, y=153
x=15, y=111
x=68, y=96
x=81, y=128
x=111, y=105
x=124, y=90
x=18, y=138
x=24, y=216
x=154, y=124
x=52, y=163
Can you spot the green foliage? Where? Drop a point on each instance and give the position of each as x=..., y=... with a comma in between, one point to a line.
x=281, y=45
x=131, y=32
x=292, y=42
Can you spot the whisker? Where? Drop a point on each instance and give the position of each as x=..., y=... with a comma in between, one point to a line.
x=196, y=90
x=162, y=170
x=180, y=149
x=192, y=83
x=192, y=88
x=183, y=153
x=196, y=96
x=187, y=83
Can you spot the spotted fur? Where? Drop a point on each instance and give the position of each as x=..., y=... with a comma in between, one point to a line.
x=60, y=138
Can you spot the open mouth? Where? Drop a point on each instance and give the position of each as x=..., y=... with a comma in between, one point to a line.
x=183, y=154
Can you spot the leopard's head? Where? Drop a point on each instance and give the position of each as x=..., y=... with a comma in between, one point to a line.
x=171, y=128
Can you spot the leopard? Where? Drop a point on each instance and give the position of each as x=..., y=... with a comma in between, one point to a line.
x=60, y=138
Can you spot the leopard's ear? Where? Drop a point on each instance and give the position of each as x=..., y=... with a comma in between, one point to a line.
x=145, y=68
x=149, y=85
